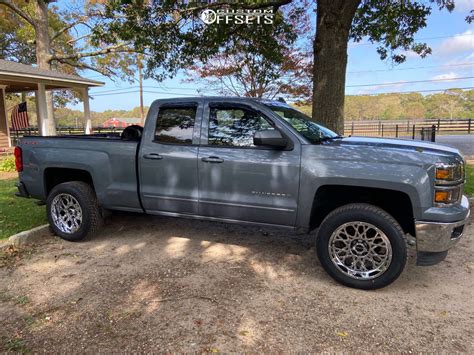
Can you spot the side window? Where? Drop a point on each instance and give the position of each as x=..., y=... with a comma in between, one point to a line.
x=234, y=127
x=175, y=124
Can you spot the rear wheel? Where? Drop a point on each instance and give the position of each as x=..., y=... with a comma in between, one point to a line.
x=362, y=246
x=73, y=211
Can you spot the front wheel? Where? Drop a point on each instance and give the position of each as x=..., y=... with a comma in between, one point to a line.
x=361, y=246
x=73, y=211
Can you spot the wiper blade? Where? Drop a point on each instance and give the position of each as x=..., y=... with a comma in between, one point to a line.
x=325, y=139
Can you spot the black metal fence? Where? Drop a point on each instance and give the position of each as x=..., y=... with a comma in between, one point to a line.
x=410, y=129
x=414, y=129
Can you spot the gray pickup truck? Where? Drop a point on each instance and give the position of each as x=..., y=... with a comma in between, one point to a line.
x=259, y=162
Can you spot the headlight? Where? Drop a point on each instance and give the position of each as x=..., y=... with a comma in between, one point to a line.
x=449, y=174
x=447, y=195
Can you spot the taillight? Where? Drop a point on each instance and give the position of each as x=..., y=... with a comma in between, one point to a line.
x=18, y=159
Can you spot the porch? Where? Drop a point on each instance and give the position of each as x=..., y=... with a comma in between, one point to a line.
x=21, y=78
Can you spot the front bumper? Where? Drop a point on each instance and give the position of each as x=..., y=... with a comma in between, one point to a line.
x=436, y=237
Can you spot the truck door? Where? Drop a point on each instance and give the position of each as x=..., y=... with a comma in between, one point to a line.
x=168, y=159
x=238, y=180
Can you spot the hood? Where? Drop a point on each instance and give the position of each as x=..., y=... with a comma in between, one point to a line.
x=403, y=144
x=384, y=150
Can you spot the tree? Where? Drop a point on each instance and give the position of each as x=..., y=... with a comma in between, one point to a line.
x=250, y=68
x=250, y=75
x=167, y=34
x=54, y=45
x=391, y=23
x=453, y=102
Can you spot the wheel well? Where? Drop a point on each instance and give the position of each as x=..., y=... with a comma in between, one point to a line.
x=56, y=176
x=396, y=203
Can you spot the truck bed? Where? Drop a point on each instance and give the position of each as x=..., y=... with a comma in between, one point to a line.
x=111, y=161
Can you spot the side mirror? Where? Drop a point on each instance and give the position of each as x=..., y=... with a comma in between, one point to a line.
x=270, y=138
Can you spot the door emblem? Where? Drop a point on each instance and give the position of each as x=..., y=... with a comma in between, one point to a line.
x=267, y=193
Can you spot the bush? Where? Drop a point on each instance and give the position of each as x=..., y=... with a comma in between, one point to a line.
x=8, y=164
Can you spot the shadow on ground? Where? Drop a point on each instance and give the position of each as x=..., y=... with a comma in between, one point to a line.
x=149, y=283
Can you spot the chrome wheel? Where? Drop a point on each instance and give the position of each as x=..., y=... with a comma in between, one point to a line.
x=66, y=213
x=360, y=250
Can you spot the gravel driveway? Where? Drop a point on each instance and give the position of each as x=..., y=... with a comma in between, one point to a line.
x=162, y=284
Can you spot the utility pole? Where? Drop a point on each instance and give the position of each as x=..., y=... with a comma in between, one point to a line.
x=140, y=80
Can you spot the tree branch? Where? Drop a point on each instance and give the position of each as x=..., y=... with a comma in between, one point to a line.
x=18, y=11
x=108, y=72
x=78, y=38
x=120, y=48
x=68, y=27
x=275, y=4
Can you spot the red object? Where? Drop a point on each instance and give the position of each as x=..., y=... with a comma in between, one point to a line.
x=20, y=117
x=18, y=159
x=121, y=122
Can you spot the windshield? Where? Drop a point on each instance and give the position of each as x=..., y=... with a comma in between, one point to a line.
x=312, y=131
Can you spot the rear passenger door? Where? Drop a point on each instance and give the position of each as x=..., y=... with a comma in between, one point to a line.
x=238, y=180
x=168, y=160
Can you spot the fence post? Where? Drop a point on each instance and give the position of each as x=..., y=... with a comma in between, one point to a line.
x=382, y=130
x=433, y=133
x=439, y=124
x=469, y=126
x=422, y=133
x=379, y=126
x=413, y=134
x=396, y=131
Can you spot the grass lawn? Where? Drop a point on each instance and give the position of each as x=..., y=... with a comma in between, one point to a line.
x=17, y=214
x=469, y=187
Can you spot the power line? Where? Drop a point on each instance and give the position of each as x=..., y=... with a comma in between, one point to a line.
x=356, y=71
x=357, y=44
x=146, y=87
x=411, y=68
x=121, y=92
x=145, y=91
x=412, y=82
x=349, y=72
x=379, y=93
x=409, y=92
x=98, y=93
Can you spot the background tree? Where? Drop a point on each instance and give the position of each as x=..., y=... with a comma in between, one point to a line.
x=168, y=35
x=250, y=68
x=250, y=75
x=62, y=40
x=391, y=23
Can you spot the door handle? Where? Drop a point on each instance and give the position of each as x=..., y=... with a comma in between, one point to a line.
x=153, y=156
x=212, y=159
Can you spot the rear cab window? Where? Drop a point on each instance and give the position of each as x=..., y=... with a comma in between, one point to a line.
x=175, y=124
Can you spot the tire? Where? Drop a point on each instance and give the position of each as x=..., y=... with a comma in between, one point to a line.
x=73, y=212
x=361, y=246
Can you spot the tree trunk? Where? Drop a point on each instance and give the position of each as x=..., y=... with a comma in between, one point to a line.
x=334, y=20
x=43, y=54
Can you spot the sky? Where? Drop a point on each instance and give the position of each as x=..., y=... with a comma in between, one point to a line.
x=448, y=34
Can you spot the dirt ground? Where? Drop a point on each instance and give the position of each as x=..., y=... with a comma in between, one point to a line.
x=5, y=176
x=162, y=284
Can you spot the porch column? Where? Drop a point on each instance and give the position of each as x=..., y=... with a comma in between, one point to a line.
x=5, y=141
x=42, y=110
x=87, y=111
